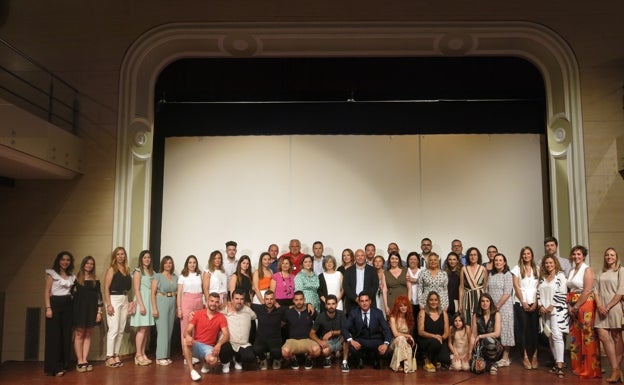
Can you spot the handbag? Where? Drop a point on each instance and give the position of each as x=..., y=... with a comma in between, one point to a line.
x=477, y=362
x=132, y=308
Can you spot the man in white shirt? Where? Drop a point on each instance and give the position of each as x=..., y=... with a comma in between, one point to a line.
x=319, y=258
x=230, y=262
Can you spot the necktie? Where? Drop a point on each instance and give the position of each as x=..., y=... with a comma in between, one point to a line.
x=366, y=319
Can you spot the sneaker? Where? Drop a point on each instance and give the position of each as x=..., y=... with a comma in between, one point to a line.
x=344, y=367
x=503, y=362
x=170, y=361
x=294, y=364
x=195, y=376
x=195, y=360
x=264, y=365
x=238, y=365
x=327, y=362
x=205, y=369
x=277, y=364
x=225, y=368
x=308, y=363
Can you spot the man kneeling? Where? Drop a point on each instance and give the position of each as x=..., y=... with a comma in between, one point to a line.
x=206, y=344
x=299, y=325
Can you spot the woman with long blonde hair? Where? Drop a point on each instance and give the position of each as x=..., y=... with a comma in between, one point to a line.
x=117, y=283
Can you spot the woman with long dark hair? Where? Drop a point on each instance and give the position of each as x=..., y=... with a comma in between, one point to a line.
x=241, y=279
x=486, y=329
x=87, y=311
x=59, y=314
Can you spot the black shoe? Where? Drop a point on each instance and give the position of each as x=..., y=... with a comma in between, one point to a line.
x=327, y=363
x=345, y=367
x=294, y=364
x=376, y=365
x=360, y=364
x=308, y=363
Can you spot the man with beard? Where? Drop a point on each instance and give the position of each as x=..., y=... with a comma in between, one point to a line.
x=299, y=324
x=239, y=319
x=201, y=337
x=425, y=246
x=370, y=251
x=327, y=332
x=268, y=343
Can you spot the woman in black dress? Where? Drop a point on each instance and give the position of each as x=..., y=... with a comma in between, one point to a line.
x=433, y=331
x=486, y=326
x=87, y=311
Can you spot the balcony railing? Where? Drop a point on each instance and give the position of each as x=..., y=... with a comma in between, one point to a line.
x=31, y=86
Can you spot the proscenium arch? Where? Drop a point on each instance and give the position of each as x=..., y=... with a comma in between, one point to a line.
x=162, y=45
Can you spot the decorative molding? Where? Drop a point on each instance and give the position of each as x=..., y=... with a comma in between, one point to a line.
x=162, y=45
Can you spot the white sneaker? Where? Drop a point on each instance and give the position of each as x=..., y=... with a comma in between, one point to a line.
x=195, y=376
x=225, y=368
x=205, y=369
x=195, y=360
x=238, y=365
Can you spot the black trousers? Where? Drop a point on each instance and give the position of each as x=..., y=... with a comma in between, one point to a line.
x=263, y=346
x=526, y=330
x=58, y=335
x=244, y=355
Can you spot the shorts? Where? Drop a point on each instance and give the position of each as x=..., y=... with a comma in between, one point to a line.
x=200, y=350
x=300, y=346
x=335, y=344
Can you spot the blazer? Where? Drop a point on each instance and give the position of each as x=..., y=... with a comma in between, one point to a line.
x=378, y=328
x=371, y=285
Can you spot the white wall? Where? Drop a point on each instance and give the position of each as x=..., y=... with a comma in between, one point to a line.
x=350, y=190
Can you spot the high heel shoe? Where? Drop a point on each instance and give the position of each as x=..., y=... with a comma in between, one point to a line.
x=616, y=376
x=526, y=363
x=534, y=362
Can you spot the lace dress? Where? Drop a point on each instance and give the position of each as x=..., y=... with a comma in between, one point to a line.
x=401, y=350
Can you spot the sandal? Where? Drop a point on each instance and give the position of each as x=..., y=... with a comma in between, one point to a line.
x=559, y=372
x=110, y=362
x=118, y=362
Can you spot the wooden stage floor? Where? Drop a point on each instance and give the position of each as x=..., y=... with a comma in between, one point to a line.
x=31, y=373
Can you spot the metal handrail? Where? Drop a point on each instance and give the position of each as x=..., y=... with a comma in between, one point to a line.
x=53, y=99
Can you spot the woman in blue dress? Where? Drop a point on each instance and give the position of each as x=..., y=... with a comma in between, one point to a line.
x=143, y=318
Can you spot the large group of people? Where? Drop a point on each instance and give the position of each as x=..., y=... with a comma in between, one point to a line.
x=299, y=309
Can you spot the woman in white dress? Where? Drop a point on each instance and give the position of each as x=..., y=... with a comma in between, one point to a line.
x=330, y=282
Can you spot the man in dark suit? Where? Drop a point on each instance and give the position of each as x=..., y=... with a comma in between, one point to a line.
x=367, y=332
x=359, y=277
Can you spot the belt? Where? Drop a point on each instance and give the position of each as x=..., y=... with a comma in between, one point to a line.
x=167, y=294
x=125, y=292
